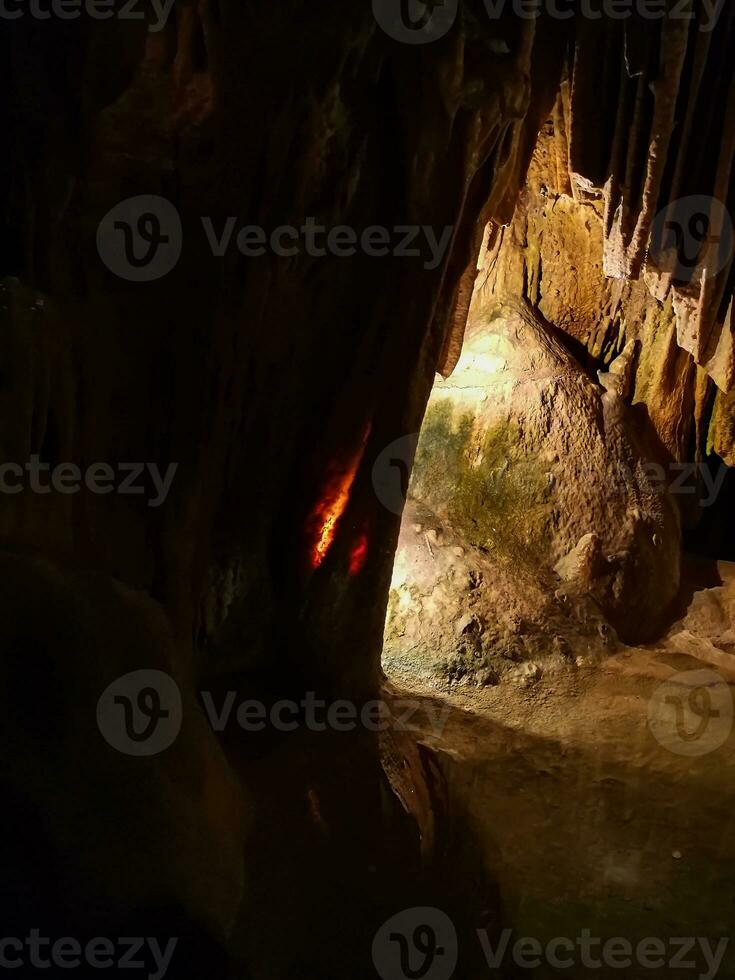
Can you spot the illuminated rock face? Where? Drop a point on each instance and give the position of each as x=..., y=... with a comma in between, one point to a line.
x=627, y=332
x=519, y=461
x=523, y=458
x=553, y=253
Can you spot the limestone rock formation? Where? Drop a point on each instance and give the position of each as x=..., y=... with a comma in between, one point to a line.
x=547, y=457
x=583, y=563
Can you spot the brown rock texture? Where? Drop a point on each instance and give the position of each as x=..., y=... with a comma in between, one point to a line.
x=258, y=377
x=553, y=252
x=531, y=459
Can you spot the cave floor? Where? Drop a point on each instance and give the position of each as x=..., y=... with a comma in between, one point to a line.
x=578, y=815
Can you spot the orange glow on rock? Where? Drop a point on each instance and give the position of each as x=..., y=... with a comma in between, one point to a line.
x=358, y=554
x=326, y=515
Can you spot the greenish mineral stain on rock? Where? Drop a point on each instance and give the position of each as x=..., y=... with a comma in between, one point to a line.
x=486, y=484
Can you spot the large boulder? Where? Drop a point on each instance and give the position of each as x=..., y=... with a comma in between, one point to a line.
x=529, y=457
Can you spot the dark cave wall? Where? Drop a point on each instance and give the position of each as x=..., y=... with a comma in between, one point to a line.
x=264, y=380
x=257, y=377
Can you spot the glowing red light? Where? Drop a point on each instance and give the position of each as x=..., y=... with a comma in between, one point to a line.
x=358, y=555
x=327, y=514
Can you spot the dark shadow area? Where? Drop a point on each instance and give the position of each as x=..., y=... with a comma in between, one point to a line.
x=714, y=535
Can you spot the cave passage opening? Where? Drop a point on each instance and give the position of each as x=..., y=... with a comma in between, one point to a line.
x=554, y=598
x=570, y=494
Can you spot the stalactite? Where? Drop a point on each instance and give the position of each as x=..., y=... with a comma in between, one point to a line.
x=660, y=139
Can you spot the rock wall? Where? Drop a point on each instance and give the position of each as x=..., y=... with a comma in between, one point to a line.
x=271, y=383
x=554, y=253
x=621, y=244
x=535, y=522
x=530, y=459
x=261, y=379
x=266, y=381
x=633, y=185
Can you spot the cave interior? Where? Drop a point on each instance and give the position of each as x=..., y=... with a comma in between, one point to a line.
x=425, y=345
